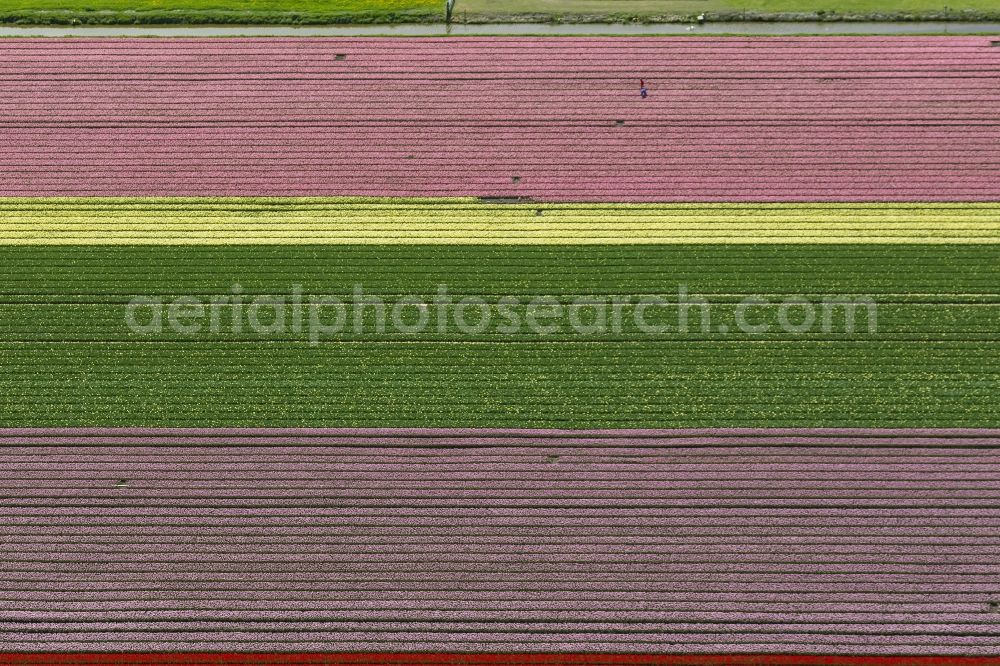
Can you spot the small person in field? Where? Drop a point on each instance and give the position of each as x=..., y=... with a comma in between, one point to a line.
x=643, y=91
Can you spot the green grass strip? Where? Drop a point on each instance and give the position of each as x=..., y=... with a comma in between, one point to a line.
x=240, y=12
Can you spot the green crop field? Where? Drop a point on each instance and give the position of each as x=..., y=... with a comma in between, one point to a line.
x=69, y=359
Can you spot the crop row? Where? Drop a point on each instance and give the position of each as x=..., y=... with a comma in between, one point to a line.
x=566, y=384
x=490, y=320
x=70, y=357
x=467, y=555
x=805, y=539
x=303, y=205
x=938, y=183
x=386, y=221
x=746, y=120
x=910, y=273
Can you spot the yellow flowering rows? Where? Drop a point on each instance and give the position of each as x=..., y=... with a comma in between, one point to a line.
x=130, y=221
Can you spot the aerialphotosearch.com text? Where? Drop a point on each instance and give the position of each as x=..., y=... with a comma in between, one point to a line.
x=320, y=317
